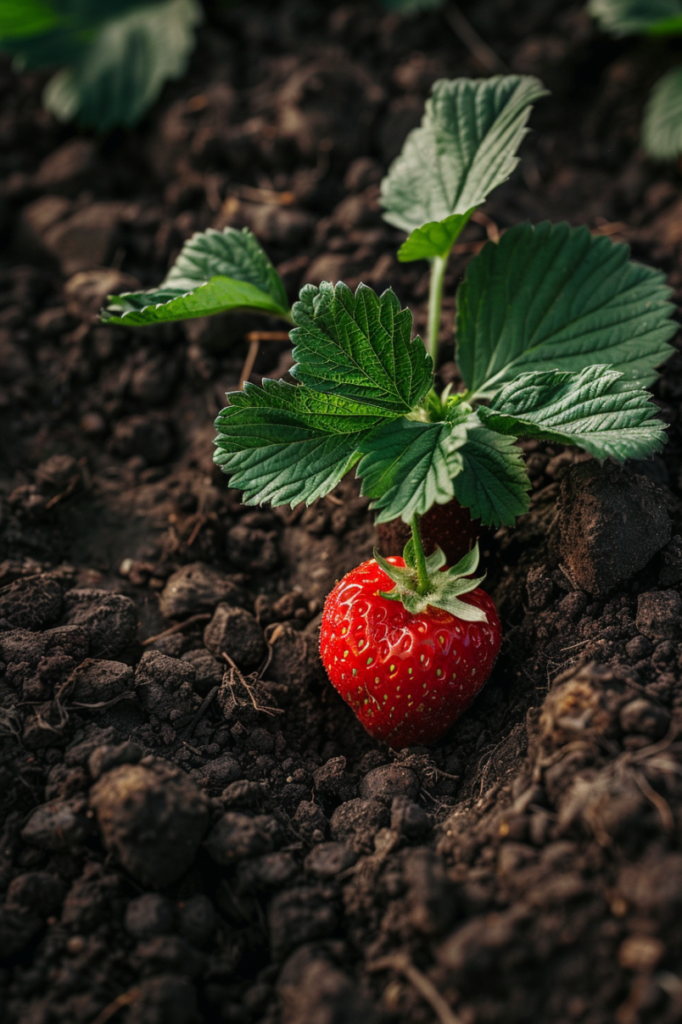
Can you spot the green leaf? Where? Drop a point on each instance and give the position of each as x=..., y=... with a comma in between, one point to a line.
x=285, y=444
x=434, y=239
x=662, y=123
x=20, y=19
x=632, y=17
x=214, y=273
x=555, y=297
x=464, y=148
x=493, y=483
x=122, y=73
x=359, y=346
x=407, y=466
x=591, y=409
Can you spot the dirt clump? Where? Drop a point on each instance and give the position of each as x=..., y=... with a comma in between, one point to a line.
x=153, y=817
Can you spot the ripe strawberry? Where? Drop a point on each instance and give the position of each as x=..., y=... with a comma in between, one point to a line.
x=407, y=667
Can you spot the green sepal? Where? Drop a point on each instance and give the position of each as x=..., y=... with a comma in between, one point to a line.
x=444, y=588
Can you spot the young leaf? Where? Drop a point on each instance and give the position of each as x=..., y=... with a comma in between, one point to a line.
x=631, y=17
x=493, y=483
x=434, y=239
x=285, y=444
x=359, y=346
x=464, y=148
x=591, y=409
x=214, y=273
x=552, y=297
x=662, y=124
x=407, y=466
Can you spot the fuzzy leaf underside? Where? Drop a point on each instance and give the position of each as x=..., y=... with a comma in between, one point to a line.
x=662, y=123
x=493, y=483
x=216, y=271
x=358, y=346
x=464, y=148
x=555, y=297
x=632, y=17
x=407, y=467
x=284, y=444
x=590, y=409
x=120, y=74
x=229, y=253
x=434, y=239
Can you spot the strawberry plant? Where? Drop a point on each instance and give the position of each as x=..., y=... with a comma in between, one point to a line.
x=662, y=124
x=558, y=336
x=113, y=56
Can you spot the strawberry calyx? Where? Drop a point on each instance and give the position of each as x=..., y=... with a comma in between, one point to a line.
x=421, y=582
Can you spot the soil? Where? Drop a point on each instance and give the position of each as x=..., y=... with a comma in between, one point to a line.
x=194, y=827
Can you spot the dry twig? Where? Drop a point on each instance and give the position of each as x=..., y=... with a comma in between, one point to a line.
x=254, y=339
x=177, y=628
x=465, y=31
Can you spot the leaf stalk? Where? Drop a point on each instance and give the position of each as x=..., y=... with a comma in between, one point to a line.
x=438, y=265
x=420, y=558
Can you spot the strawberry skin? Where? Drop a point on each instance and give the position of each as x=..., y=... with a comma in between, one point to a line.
x=407, y=677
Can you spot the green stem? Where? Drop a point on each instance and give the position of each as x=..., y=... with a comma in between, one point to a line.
x=289, y=318
x=438, y=265
x=420, y=557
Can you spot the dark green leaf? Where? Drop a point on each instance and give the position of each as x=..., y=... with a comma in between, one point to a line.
x=434, y=239
x=631, y=17
x=122, y=73
x=464, y=148
x=493, y=483
x=20, y=19
x=284, y=444
x=407, y=466
x=554, y=297
x=214, y=273
x=359, y=346
x=590, y=409
x=662, y=124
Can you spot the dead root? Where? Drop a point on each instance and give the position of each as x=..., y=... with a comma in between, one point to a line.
x=251, y=686
x=402, y=963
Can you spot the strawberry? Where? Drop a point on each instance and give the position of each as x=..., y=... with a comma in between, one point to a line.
x=409, y=663
x=448, y=526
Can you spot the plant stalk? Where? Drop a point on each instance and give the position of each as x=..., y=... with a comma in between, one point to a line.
x=420, y=558
x=438, y=265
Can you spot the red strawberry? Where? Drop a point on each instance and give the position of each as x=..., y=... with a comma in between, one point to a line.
x=408, y=674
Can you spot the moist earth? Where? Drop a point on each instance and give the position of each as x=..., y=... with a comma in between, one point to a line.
x=193, y=825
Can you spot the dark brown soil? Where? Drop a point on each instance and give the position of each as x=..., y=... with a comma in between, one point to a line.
x=180, y=843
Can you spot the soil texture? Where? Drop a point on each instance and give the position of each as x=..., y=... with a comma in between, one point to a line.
x=193, y=826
